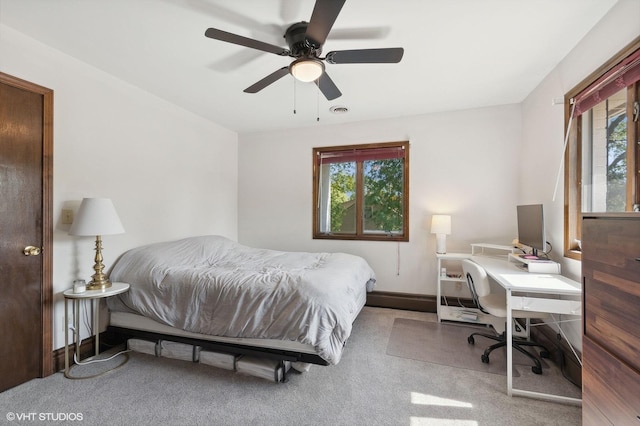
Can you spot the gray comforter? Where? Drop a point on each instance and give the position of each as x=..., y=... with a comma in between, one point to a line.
x=214, y=286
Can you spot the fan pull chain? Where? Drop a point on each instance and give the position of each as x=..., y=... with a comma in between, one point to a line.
x=294, y=95
x=318, y=105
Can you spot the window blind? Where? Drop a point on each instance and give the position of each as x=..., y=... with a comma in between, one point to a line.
x=358, y=155
x=622, y=75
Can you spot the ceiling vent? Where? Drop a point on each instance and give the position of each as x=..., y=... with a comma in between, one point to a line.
x=339, y=109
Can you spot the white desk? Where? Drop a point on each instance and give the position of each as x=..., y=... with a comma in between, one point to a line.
x=534, y=292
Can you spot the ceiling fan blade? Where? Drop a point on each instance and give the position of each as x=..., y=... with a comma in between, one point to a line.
x=366, y=56
x=328, y=87
x=271, y=78
x=324, y=15
x=245, y=41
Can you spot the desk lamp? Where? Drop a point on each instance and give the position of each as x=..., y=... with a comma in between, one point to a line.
x=441, y=226
x=97, y=216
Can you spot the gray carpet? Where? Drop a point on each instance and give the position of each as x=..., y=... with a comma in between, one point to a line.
x=446, y=344
x=367, y=387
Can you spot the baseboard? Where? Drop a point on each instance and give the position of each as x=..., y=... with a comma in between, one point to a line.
x=561, y=352
x=405, y=301
x=87, y=349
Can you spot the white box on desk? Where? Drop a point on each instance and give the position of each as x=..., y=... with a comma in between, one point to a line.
x=543, y=267
x=537, y=266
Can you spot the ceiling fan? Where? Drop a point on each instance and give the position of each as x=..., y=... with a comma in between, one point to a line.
x=305, y=40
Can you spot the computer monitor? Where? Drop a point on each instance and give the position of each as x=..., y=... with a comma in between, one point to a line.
x=531, y=227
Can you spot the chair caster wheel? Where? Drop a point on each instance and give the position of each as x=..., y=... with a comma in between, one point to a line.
x=471, y=340
x=536, y=369
x=544, y=354
x=484, y=358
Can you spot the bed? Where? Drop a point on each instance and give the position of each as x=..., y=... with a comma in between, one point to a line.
x=223, y=296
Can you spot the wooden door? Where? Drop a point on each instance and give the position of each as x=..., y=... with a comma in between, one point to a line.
x=25, y=220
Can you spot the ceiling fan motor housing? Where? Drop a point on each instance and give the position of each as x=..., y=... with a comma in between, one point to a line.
x=299, y=44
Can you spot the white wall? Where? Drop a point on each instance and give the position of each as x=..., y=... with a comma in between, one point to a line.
x=169, y=173
x=476, y=165
x=461, y=163
x=543, y=125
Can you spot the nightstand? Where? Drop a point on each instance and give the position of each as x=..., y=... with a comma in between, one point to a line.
x=94, y=296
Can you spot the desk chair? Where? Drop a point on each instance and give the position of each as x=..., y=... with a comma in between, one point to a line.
x=496, y=304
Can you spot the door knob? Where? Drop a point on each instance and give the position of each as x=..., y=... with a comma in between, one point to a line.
x=31, y=251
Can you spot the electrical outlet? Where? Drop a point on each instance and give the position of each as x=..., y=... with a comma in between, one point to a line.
x=65, y=326
x=67, y=216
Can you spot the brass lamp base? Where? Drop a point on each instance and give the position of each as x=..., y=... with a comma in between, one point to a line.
x=99, y=280
x=98, y=285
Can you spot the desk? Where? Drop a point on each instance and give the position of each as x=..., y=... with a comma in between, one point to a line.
x=534, y=292
x=93, y=295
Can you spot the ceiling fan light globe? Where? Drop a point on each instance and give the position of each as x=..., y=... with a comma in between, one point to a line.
x=306, y=69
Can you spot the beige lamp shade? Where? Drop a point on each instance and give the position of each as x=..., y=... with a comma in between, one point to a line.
x=96, y=216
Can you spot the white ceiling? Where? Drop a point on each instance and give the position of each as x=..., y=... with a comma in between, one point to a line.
x=459, y=54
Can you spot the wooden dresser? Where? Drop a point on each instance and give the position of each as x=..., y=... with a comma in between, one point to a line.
x=611, y=319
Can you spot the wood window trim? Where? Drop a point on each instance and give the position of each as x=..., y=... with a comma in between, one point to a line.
x=360, y=235
x=633, y=150
x=573, y=152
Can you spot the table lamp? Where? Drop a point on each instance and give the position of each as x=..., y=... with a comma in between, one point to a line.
x=441, y=226
x=97, y=216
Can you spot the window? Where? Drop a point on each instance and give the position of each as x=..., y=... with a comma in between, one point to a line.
x=603, y=154
x=361, y=192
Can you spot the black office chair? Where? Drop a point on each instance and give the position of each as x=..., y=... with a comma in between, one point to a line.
x=496, y=304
